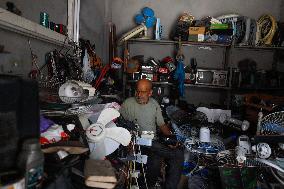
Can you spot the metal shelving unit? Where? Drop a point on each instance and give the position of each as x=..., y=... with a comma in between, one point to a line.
x=186, y=85
x=226, y=53
x=184, y=43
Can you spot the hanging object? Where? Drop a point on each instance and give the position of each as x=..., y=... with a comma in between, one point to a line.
x=179, y=73
x=34, y=73
x=73, y=20
x=88, y=74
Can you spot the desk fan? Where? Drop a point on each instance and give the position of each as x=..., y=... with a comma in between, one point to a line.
x=104, y=136
x=145, y=20
x=74, y=91
x=272, y=125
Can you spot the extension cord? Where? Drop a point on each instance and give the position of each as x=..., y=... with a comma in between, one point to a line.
x=134, y=187
x=135, y=173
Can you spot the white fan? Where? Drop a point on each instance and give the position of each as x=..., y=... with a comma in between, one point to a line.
x=104, y=137
x=132, y=33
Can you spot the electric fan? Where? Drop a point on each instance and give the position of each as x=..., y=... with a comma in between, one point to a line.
x=104, y=136
x=272, y=124
x=74, y=91
x=71, y=92
x=145, y=19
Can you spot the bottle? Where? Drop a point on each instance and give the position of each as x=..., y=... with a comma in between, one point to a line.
x=30, y=162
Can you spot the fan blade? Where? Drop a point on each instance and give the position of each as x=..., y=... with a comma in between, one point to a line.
x=84, y=120
x=118, y=134
x=107, y=115
x=99, y=151
x=110, y=144
x=103, y=148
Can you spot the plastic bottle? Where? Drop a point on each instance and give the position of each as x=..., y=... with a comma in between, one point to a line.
x=30, y=162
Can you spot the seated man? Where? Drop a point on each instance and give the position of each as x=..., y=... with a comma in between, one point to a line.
x=146, y=112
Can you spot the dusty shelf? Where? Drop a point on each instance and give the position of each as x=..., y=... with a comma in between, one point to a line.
x=23, y=26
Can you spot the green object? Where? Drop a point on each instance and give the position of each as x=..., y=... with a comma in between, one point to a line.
x=219, y=26
x=193, y=38
x=44, y=19
x=238, y=177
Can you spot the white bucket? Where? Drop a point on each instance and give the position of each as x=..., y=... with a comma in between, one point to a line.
x=204, y=134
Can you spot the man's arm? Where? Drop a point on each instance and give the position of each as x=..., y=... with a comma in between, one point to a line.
x=165, y=130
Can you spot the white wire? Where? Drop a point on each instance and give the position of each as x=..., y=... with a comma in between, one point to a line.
x=139, y=149
x=78, y=20
x=279, y=180
x=271, y=164
x=75, y=21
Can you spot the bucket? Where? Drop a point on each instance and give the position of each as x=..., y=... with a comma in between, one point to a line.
x=238, y=177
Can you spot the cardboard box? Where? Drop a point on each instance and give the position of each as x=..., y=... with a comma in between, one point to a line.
x=196, y=37
x=196, y=30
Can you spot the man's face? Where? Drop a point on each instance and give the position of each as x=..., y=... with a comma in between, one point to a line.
x=142, y=94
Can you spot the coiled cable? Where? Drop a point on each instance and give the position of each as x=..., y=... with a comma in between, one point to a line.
x=266, y=28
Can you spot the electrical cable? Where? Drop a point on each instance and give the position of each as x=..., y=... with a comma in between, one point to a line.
x=277, y=178
x=266, y=28
x=145, y=180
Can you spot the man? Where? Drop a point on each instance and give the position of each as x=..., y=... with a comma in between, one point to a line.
x=146, y=112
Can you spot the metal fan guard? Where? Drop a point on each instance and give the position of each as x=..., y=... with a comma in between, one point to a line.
x=276, y=118
x=71, y=100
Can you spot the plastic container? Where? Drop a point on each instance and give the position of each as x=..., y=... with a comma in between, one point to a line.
x=44, y=19
x=30, y=162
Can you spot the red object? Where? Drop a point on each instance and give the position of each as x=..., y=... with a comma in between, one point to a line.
x=163, y=70
x=101, y=76
x=168, y=59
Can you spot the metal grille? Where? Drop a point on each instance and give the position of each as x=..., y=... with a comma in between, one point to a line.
x=272, y=124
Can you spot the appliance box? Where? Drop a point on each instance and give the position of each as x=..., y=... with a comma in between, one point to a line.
x=211, y=77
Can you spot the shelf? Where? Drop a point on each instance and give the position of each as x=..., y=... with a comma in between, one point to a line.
x=18, y=24
x=268, y=139
x=187, y=85
x=259, y=47
x=257, y=106
x=207, y=86
x=184, y=43
x=189, y=43
x=258, y=89
x=154, y=82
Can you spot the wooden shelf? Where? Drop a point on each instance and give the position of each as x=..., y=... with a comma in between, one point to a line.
x=18, y=24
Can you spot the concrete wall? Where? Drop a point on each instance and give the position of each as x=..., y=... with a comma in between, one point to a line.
x=18, y=60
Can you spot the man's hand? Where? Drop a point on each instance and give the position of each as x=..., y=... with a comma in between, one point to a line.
x=177, y=145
